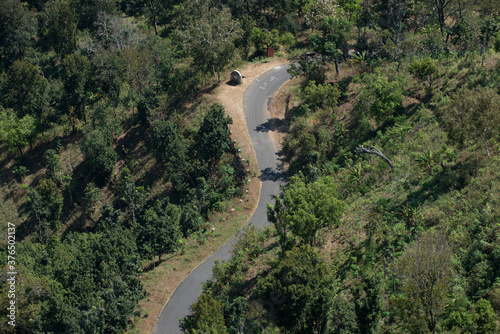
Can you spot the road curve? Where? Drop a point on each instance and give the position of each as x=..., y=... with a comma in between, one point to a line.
x=255, y=104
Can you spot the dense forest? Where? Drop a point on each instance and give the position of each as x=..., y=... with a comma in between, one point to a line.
x=111, y=159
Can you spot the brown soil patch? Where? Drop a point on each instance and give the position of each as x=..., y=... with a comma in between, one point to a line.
x=162, y=282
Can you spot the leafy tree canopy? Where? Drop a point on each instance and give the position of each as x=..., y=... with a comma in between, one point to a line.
x=214, y=134
x=311, y=207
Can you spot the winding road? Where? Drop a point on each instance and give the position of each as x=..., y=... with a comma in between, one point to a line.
x=255, y=104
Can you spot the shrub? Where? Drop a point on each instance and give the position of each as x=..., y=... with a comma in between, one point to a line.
x=425, y=70
x=91, y=197
x=100, y=157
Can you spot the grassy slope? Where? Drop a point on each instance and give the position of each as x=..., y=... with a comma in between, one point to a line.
x=376, y=224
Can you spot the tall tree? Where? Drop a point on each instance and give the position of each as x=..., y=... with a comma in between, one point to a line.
x=24, y=90
x=88, y=11
x=213, y=134
x=489, y=28
x=46, y=205
x=15, y=132
x=60, y=26
x=75, y=76
x=209, y=32
x=169, y=145
x=18, y=27
x=208, y=317
x=300, y=290
x=276, y=215
x=426, y=273
x=139, y=71
x=441, y=7
x=159, y=231
x=108, y=72
x=311, y=207
x=100, y=157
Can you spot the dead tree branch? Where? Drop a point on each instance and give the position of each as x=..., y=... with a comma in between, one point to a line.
x=376, y=151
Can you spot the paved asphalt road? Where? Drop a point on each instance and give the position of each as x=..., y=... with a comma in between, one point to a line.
x=255, y=103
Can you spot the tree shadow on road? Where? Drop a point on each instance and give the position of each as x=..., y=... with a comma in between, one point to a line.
x=272, y=174
x=273, y=124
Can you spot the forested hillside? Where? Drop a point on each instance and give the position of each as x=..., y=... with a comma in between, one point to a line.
x=111, y=158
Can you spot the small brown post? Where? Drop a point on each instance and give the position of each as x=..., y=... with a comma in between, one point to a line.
x=270, y=51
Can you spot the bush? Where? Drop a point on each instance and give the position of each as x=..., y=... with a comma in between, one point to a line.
x=381, y=97
x=425, y=69
x=100, y=158
x=91, y=197
x=324, y=96
x=53, y=165
x=146, y=103
x=472, y=114
x=46, y=204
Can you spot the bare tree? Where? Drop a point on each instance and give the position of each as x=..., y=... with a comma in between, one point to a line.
x=426, y=272
x=113, y=33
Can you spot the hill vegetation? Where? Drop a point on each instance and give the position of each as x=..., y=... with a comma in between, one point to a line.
x=111, y=159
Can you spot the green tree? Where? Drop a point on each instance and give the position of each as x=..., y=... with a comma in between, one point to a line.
x=426, y=272
x=394, y=16
x=60, y=24
x=485, y=318
x=463, y=35
x=213, y=135
x=133, y=196
x=24, y=90
x=14, y=132
x=208, y=317
x=108, y=72
x=311, y=70
x=89, y=10
x=98, y=272
x=169, y=146
x=75, y=76
x=110, y=218
x=19, y=27
x=139, y=70
x=311, y=207
x=46, y=203
x=191, y=219
x=425, y=69
x=34, y=294
x=147, y=102
x=381, y=97
x=324, y=96
x=368, y=304
x=105, y=120
x=488, y=29
x=276, y=215
x=300, y=290
x=210, y=33
x=441, y=6
x=315, y=11
x=336, y=30
x=91, y=197
x=159, y=230
x=472, y=114
x=53, y=165
x=262, y=38
x=100, y=157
